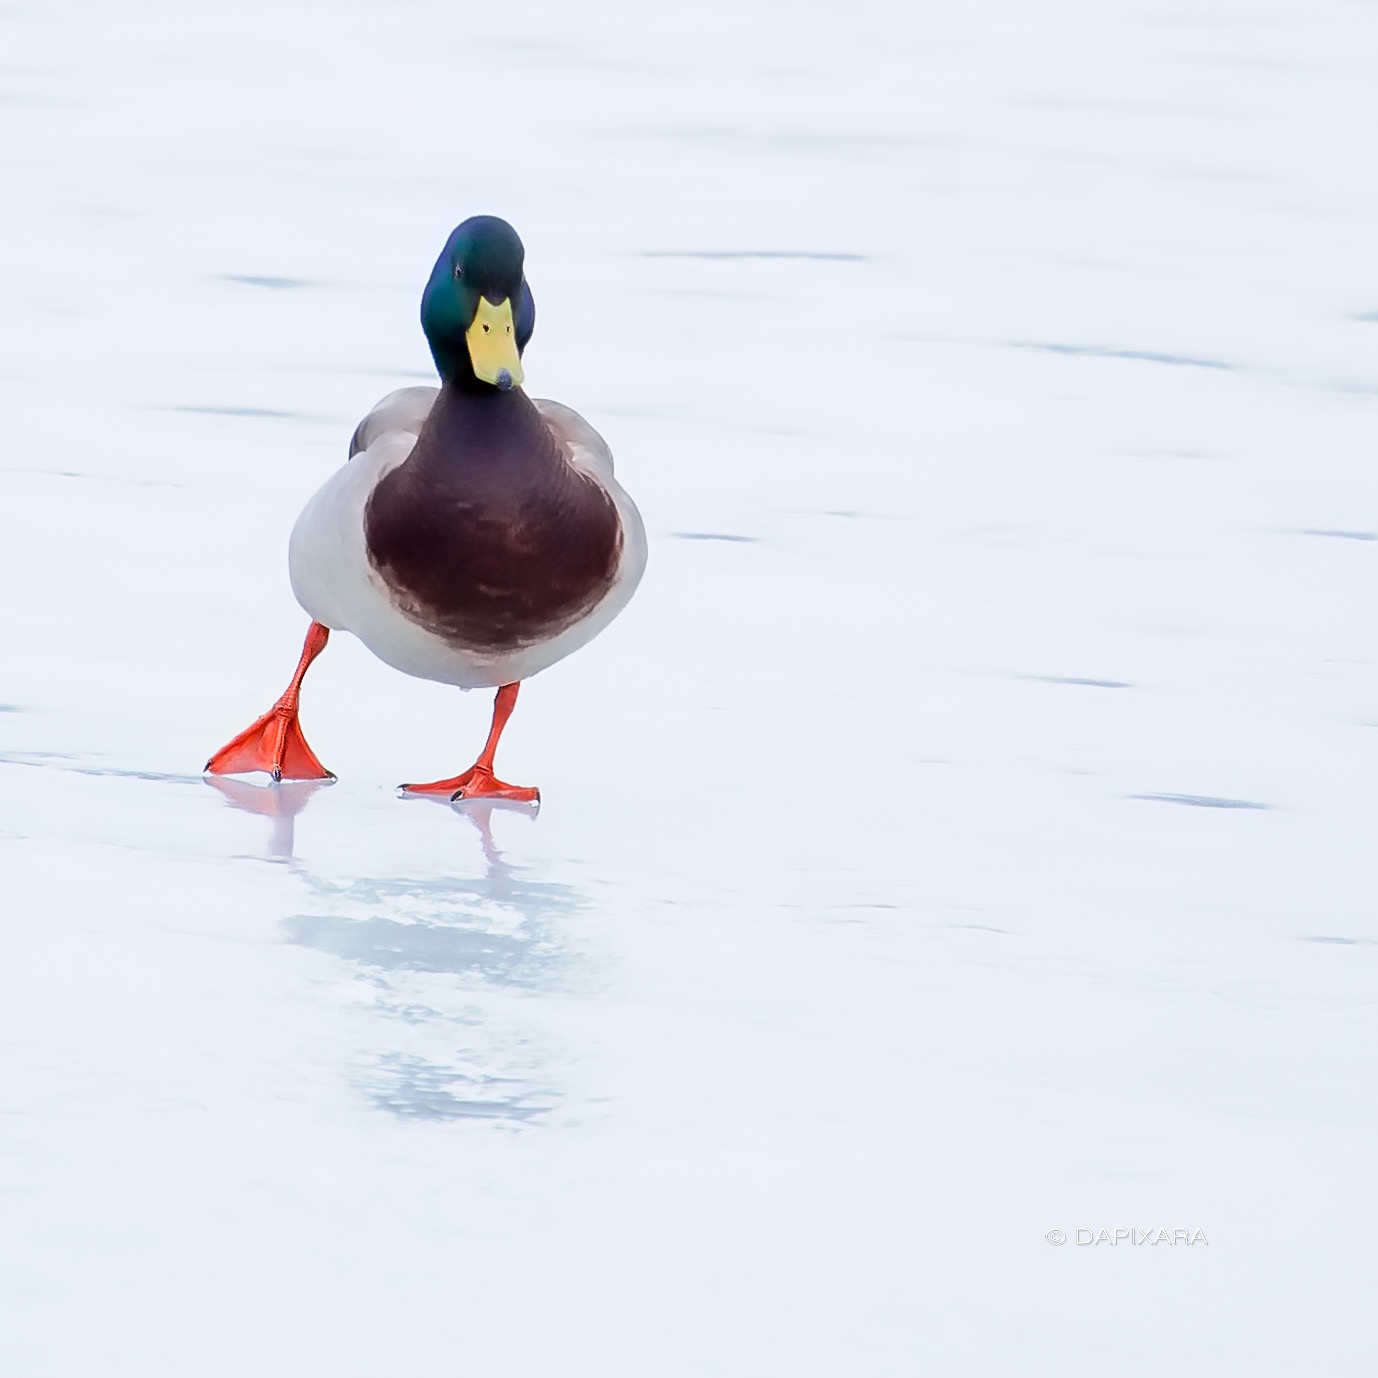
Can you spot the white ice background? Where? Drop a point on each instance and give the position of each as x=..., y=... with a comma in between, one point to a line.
x=968, y=832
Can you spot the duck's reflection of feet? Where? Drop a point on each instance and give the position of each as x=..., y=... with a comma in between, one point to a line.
x=281, y=801
x=480, y=813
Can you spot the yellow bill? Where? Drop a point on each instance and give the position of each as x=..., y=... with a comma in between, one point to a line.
x=493, y=345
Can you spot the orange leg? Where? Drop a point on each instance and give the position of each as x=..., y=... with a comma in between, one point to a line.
x=275, y=742
x=479, y=782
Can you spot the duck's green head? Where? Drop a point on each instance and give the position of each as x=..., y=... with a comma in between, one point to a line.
x=477, y=310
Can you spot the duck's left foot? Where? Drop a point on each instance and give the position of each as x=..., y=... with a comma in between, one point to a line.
x=478, y=782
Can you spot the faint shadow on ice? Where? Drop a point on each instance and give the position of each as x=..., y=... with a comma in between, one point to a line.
x=1079, y=681
x=715, y=536
x=253, y=413
x=58, y=760
x=1143, y=356
x=271, y=283
x=756, y=253
x=1337, y=535
x=1201, y=801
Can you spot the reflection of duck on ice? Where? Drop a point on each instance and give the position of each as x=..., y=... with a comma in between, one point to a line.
x=436, y=905
x=430, y=952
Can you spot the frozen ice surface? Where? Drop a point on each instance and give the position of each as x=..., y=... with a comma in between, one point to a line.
x=967, y=832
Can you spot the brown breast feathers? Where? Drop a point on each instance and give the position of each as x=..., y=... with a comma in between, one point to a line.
x=485, y=535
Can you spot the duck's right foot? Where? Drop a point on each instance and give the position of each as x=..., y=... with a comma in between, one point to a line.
x=274, y=744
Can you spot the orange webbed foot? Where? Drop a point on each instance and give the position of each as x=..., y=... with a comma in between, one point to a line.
x=478, y=782
x=274, y=744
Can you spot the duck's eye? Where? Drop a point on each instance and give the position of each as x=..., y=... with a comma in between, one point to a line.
x=486, y=327
x=509, y=329
x=458, y=271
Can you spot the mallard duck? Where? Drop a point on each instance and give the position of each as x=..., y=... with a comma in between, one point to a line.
x=475, y=536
